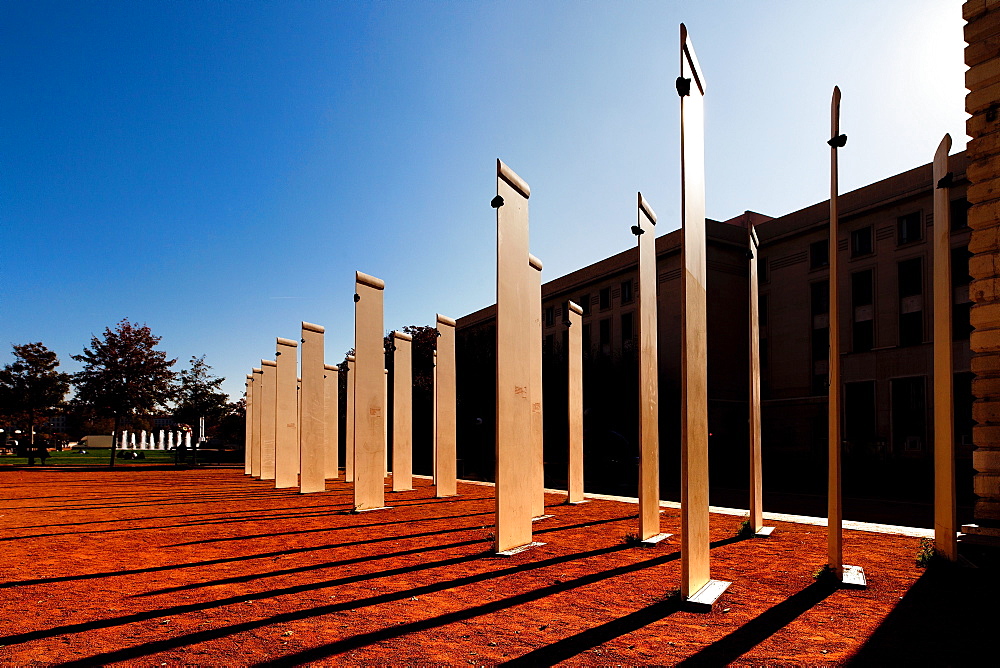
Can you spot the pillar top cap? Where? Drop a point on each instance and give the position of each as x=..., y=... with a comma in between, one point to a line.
x=534, y=262
x=351, y=358
x=264, y=363
x=331, y=367
x=370, y=281
x=574, y=307
x=287, y=342
x=308, y=326
x=258, y=370
x=401, y=335
x=648, y=210
x=445, y=320
x=515, y=181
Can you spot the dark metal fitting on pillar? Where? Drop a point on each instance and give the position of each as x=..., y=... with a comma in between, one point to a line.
x=683, y=86
x=496, y=202
x=946, y=181
x=838, y=142
x=636, y=230
x=357, y=297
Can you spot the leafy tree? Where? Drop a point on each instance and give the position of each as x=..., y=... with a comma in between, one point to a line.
x=200, y=395
x=30, y=385
x=124, y=375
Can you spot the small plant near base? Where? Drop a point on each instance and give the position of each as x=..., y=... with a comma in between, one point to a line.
x=631, y=538
x=928, y=553
x=488, y=535
x=825, y=573
x=671, y=596
x=745, y=529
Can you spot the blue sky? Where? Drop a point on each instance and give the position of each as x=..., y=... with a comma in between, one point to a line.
x=218, y=171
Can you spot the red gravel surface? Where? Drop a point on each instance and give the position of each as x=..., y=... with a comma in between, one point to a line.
x=211, y=567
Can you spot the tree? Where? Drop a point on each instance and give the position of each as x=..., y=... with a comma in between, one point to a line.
x=200, y=395
x=124, y=375
x=30, y=385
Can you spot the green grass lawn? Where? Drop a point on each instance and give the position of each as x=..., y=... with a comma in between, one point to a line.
x=94, y=457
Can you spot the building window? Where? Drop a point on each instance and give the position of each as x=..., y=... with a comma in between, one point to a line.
x=862, y=301
x=820, y=301
x=961, y=327
x=819, y=254
x=909, y=228
x=605, y=336
x=585, y=304
x=911, y=302
x=959, y=213
x=605, y=298
x=627, y=291
x=861, y=242
x=550, y=316
x=763, y=275
x=909, y=415
x=586, y=339
x=628, y=330
x=762, y=310
x=960, y=266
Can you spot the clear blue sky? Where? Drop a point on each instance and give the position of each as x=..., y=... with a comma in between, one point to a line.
x=219, y=170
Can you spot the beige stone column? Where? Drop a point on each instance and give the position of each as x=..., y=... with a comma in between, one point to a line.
x=258, y=401
x=537, y=466
x=267, y=405
x=248, y=428
x=312, y=457
x=574, y=357
x=434, y=416
x=286, y=427
x=945, y=512
x=983, y=105
x=385, y=423
x=369, y=394
x=444, y=405
x=349, y=418
x=514, y=451
x=696, y=583
x=649, y=402
x=402, y=412
x=331, y=419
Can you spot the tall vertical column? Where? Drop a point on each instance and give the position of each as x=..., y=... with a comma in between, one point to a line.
x=649, y=402
x=444, y=404
x=257, y=389
x=269, y=378
x=945, y=515
x=756, y=488
x=434, y=417
x=369, y=394
x=852, y=575
x=574, y=402
x=286, y=416
x=696, y=583
x=312, y=442
x=349, y=419
x=247, y=428
x=385, y=423
x=402, y=412
x=514, y=451
x=331, y=419
x=537, y=465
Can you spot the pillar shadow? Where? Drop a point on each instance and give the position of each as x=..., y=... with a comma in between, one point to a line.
x=947, y=618
x=729, y=648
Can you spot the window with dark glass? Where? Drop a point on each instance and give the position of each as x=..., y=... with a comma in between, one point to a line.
x=961, y=327
x=605, y=335
x=605, y=296
x=960, y=266
x=550, y=316
x=909, y=228
x=862, y=303
x=820, y=297
x=861, y=241
x=585, y=304
x=819, y=254
x=627, y=291
x=763, y=276
x=586, y=338
x=762, y=310
x=911, y=302
x=959, y=213
x=628, y=330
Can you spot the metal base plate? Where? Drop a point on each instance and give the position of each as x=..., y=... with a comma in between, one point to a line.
x=518, y=550
x=705, y=598
x=541, y=517
x=853, y=576
x=764, y=532
x=653, y=540
x=368, y=510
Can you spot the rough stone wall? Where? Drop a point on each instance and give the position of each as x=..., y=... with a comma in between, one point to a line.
x=982, y=56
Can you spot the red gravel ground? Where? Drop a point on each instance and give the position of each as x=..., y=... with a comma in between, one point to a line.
x=210, y=567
